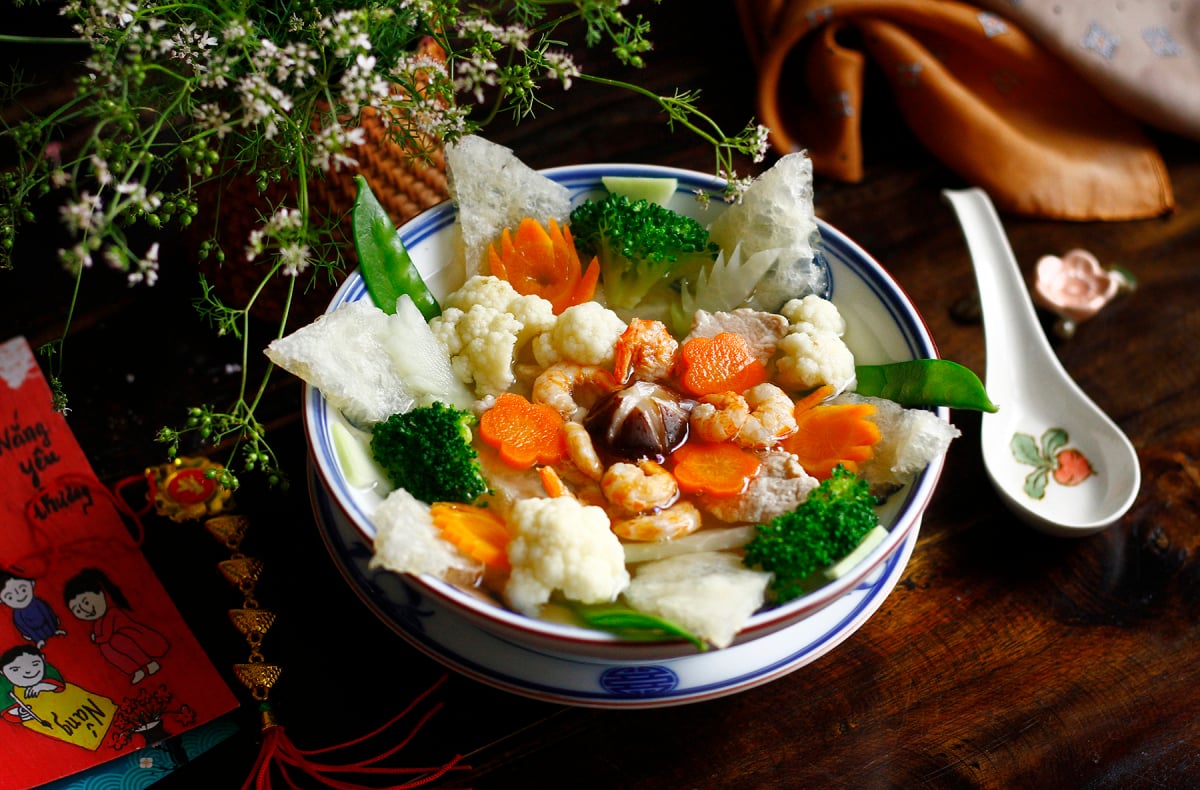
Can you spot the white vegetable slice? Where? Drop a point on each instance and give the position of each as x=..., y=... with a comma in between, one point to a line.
x=709, y=593
x=406, y=540
x=421, y=360
x=713, y=539
x=776, y=213
x=495, y=190
x=354, y=456
x=868, y=544
x=911, y=439
x=728, y=283
x=342, y=354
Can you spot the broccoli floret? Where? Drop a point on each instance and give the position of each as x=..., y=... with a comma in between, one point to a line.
x=824, y=528
x=639, y=244
x=427, y=451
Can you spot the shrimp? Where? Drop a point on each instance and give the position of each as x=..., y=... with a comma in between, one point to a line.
x=639, y=488
x=719, y=417
x=682, y=518
x=772, y=418
x=563, y=385
x=582, y=489
x=645, y=351
x=759, y=419
x=582, y=452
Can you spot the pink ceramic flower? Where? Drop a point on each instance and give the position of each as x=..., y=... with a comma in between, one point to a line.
x=1075, y=286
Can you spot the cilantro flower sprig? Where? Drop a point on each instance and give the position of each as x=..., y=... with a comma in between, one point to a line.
x=174, y=96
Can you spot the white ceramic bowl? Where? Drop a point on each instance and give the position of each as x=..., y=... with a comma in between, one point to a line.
x=882, y=326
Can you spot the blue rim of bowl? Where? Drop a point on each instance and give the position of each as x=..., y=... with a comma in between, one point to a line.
x=580, y=180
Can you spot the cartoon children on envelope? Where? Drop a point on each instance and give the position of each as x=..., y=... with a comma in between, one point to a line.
x=94, y=657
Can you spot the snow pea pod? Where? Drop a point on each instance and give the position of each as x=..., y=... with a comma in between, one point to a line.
x=631, y=623
x=925, y=382
x=386, y=267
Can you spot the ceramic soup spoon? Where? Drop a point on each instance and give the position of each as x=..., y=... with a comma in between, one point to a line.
x=1057, y=460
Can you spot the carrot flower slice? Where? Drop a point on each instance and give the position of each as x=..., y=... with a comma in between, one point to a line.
x=722, y=363
x=524, y=433
x=714, y=468
x=477, y=532
x=543, y=262
x=828, y=434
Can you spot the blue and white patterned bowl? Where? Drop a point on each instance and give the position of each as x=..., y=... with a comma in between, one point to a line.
x=882, y=326
x=435, y=626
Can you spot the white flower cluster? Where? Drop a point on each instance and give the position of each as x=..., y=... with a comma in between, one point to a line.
x=561, y=66
x=284, y=228
x=176, y=98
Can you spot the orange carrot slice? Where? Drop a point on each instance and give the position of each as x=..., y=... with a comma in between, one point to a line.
x=714, y=468
x=815, y=398
x=722, y=363
x=477, y=532
x=552, y=484
x=524, y=433
x=832, y=434
x=543, y=262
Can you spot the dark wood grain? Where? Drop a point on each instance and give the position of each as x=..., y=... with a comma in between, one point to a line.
x=1003, y=659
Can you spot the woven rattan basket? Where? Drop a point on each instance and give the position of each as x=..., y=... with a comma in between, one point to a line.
x=404, y=181
x=404, y=184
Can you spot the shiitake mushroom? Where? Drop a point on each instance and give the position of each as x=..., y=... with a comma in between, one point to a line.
x=641, y=420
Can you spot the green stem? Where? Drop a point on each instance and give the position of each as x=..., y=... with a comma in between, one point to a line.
x=665, y=102
x=66, y=327
x=39, y=40
x=678, y=112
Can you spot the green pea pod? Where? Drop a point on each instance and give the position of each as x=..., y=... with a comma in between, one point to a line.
x=631, y=623
x=386, y=267
x=925, y=382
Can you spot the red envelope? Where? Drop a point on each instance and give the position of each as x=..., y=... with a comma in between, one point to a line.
x=95, y=661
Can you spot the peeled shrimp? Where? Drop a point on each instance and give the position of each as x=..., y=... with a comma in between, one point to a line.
x=759, y=419
x=582, y=489
x=645, y=351
x=564, y=385
x=639, y=488
x=682, y=518
x=719, y=417
x=582, y=451
x=772, y=417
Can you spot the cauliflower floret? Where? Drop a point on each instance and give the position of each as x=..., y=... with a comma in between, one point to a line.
x=561, y=544
x=811, y=360
x=484, y=325
x=815, y=313
x=813, y=352
x=482, y=343
x=482, y=290
x=536, y=316
x=585, y=333
x=535, y=313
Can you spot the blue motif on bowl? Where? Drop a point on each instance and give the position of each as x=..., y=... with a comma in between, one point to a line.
x=638, y=681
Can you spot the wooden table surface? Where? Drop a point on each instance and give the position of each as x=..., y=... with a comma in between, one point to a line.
x=1003, y=658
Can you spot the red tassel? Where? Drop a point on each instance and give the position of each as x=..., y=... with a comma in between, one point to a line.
x=279, y=757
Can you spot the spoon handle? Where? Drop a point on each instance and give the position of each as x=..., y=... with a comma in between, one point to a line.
x=1011, y=330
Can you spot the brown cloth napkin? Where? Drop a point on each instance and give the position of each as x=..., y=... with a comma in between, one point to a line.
x=1005, y=111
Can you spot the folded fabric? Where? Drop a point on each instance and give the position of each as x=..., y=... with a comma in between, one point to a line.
x=997, y=107
x=1144, y=55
